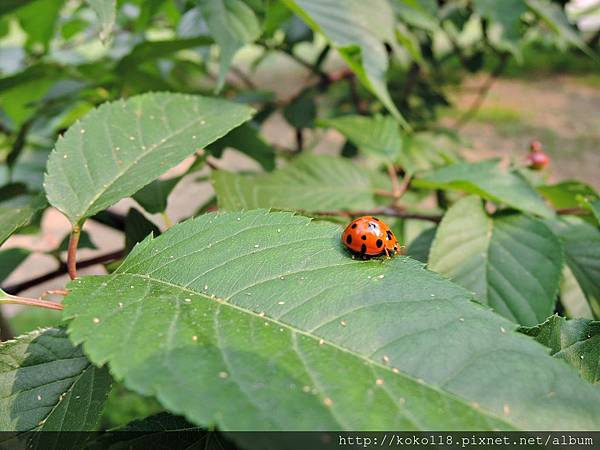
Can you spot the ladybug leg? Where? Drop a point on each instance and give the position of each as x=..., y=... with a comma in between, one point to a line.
x=387, y=253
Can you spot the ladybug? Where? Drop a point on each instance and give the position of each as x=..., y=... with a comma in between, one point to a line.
x=370, y=236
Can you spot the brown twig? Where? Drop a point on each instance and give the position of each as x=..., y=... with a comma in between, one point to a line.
x=572, y=211
x=13, y=300
x=482, y=92
x=72, y=252
x=61, y=292
x=61, y=270
x=394, y=179
x=386, y=211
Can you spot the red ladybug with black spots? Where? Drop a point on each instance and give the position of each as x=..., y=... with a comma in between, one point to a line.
x=369, y=236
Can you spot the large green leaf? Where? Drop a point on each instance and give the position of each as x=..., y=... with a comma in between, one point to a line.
x=262, y=320
x=581, y=242
x=512, y=263
x=567, y=194
x=310, y=183
x=378, y=135
x=575, y=341
x=120, y=147
x=572, y=297
x=13, y=218
x=358, y=30
x=233, y=24
x=47, y=384
x=154, y=196
x=506, y=13
x=489, y=181
x=106, y=10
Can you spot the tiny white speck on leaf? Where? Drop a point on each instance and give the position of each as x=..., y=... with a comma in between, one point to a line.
x=96, y=320
x=120, y=304
x=461, y=319
x=131, y=138
x=39, y=397
x=281, y=303
x=187, y=300
x=328, y=402
x=506, y=409
x=206, y=287
x=395, y=370
x=343, y=323
x=381, y=276
x=223, y=375
x=378, y=381
x=82, y=131
x=321, y=341
x=306, y=388
x=194, y=338
x=255, y=245
x=386, y=359
x=503, y=330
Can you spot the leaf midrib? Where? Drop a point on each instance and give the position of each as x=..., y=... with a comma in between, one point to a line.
x=290, y=327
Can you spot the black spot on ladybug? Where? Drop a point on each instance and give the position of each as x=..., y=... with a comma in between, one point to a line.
x=353, y=225
x=389, y=235
x=364, y=237
x=379, y=243
x=363, y=248
x=349, y=239
x=375, y=218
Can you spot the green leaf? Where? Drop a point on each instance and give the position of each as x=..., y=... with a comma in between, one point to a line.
x=506, y=13
x=47, y=384
x=575, y=341
x=262, y=320
x=378, y=135
x=13, y=218
x=233, y=24
x=137, y=228
x=487, y=180
x=310, y=183
x=512, y=263
x=302, y=110
x=594, y=207
x=420, y=247
x=154, y=196
x=572, y=297
x=10, y=259
x=38, y=19
x=162, y=430
x=426, y=151
x=581, y=242
x=106, y=10
x=553, y=15
x=358, y=30
x=567, y=194
x=121, y=146
x=247, y=139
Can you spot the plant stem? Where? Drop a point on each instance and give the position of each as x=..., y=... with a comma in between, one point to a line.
x=72, y=252
x=387, y=211
x=61, y=270
x=13, y=300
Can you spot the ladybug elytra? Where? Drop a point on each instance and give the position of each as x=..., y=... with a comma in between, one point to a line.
x=370, y=236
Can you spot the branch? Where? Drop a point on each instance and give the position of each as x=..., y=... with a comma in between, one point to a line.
x=72, y=252
x=387, y=211
x=482, y=92
x=13, y=300
x=61, y=270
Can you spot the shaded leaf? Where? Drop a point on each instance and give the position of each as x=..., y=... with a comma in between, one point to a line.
x=137, y=228
x=13, y=218
x=567, y=194
x=310, y=182
x=38, y=19
x=10, y=259
x=106, y=10
x=487, y=180
x=581, y=242
x=47, y=384
x=247, y=139
x=575, y=341
x=419, y=248
x=378, y=135
x=302, y=110
x=261, y=320
x=572, y=297
x=512, y=263
x=358, y=30
x=154, y=196
x=121, y=146
x=233, y=24
x=506, y=13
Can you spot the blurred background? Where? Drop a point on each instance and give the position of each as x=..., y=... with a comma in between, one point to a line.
x=471, y=80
